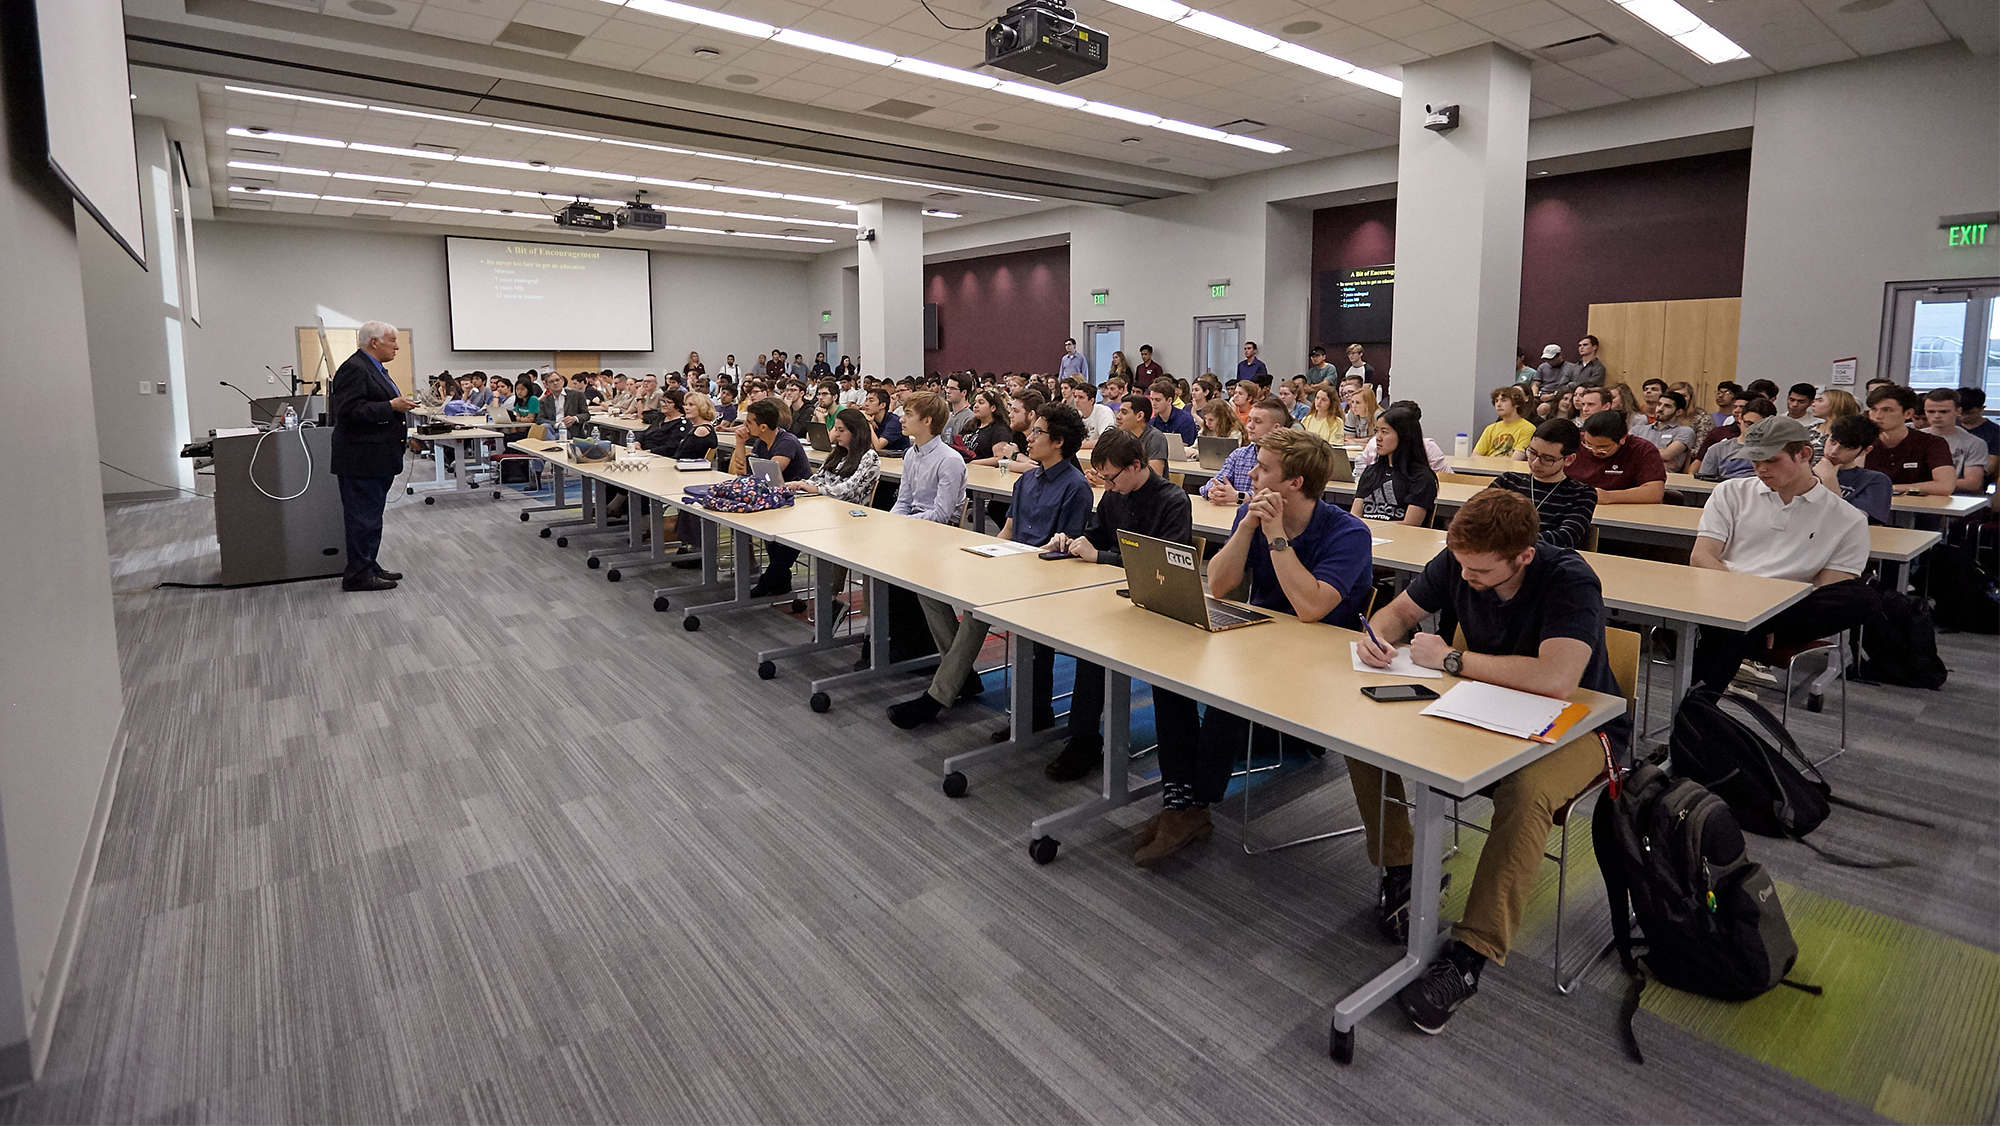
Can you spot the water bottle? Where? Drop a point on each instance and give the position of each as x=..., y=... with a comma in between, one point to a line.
x=597, y=433
x=291, y=417
x=1461, y=445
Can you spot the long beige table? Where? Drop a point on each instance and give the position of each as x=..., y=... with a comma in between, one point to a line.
x=1636, y=591
x=1238, y=671
x=927, y=558
x=462, y=439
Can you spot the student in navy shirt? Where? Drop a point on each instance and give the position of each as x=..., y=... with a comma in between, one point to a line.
x=1049, y=500
x=1167, y=416
x=889, y=438
x=1301, y=556
x=759, y=434
x=1252, y=368
x=1840, y=467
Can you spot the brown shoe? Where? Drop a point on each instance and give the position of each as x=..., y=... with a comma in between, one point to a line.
x=1177, y=829
x=1148, y=829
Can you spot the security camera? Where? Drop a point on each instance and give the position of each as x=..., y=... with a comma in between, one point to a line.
x=1443, y=119
x=866, y=234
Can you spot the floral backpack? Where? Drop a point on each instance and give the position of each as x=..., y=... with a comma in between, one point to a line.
x=740, y=494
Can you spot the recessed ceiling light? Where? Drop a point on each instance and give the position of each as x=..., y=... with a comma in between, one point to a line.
x=1301, y=27
x=1542, y=172
x=741, y=79
x=372, y=7
x=707, y=53
x=985, y=127
x=1131, y=140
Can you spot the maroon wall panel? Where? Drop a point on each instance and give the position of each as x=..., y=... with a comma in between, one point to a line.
x=1005, y=312
x=1667, y=231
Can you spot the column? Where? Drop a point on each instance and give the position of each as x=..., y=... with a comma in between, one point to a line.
x=892, y=288
x=1459, y=202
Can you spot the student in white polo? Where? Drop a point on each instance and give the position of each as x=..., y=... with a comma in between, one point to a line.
x=1782, y=523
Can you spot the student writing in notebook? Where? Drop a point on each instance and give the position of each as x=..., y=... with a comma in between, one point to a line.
x=1533, y=619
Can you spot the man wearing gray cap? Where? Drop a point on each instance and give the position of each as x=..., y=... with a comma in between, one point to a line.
x=1782, y=524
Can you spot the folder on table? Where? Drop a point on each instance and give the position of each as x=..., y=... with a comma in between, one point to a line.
x=1508, y=711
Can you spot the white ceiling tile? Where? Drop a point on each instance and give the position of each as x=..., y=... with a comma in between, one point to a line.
x=1555, y=31
x=1342, y=42
x=1506, y=21
x=617, y=56
x=777, y=13
x=458, y=25
x=1896, y=27
x=1361, y=11
x=542, y=13
x=631, y=33
x=492, y=9
x=1401, y=25
x=402, y=13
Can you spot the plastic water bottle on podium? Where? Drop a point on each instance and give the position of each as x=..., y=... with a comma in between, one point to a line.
x=1461, y=445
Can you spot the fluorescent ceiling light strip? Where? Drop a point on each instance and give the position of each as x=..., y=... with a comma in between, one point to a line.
x=335, y=102
x=402, y=181
x=689, y=185
x=947, y=73
x=1229, y=31
x=444, y=187
x=427, y=116
x=690, y=14
x=1033, y=93
x=591, y=173
x=935, y=213
x=494, y=162
x=1120, y=113
x=1202, y=131
x=544, y=132
x=1254, y=144
x=810, y=42
x=241, y=190
x=287, y=138
x=1312, y=60
x=253, y=166
x=1711, y=46
x=358, y=199
x=1380, y=83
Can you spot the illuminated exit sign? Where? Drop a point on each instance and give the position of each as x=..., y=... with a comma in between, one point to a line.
x=1966, y=234
x=1099, y=296
x=1218, y=289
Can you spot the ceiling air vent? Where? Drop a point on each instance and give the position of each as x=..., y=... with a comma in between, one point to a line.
x=251, y=203
x=392, y=194
x=896, y=107
x=538, y=38
x=441, y=150
x=1582, y=47
x=253, y=181
x=257, y=156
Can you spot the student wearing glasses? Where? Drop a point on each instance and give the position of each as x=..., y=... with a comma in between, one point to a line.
x=1563, y=505
x=1049, y=500
x=1139, y=501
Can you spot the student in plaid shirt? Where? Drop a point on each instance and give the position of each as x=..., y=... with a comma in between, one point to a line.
x=1232, y=481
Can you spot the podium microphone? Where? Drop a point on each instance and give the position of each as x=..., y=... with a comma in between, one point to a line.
x=238, y=390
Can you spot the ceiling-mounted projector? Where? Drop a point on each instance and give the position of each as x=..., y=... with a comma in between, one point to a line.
x=641, y=217
x=581, y=216
x=1041, y=39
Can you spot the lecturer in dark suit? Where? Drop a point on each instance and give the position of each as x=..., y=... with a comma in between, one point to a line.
x=369, y=435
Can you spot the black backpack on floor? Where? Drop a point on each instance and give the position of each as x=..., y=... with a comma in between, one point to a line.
x=1965, y=596
x=1673, y=857
x=1899, y=645
x=1740, y=752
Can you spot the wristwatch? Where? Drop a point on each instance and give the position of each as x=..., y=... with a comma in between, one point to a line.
x=1454, y=662
x=1282, y=543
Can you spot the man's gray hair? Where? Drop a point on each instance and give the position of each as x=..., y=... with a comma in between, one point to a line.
x=372, y=331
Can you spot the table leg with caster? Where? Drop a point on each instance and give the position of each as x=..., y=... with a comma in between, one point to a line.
x=824, y=589
x=1020, y=708
x=1117, y=788
x=879, y=664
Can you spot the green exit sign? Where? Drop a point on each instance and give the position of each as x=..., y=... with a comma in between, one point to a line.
x=1966, y=234
x=1099, y=296
x=825, y=316
x=1218, y=289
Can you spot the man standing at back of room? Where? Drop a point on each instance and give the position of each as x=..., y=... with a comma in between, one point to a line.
x=368, y=439
x=1148, y=370
x=1318, y=369
x=1251, y=368
x=1072, y=362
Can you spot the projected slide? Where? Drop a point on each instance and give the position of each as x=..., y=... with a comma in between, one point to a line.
x=544, y=297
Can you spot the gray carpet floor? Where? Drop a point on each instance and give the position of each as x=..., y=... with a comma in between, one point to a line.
x=505, y=845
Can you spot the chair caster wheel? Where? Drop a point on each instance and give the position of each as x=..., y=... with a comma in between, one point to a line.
x=524, y=517
x=1340, y=1045
x=409, y=491
x=767, y=670
x=562, y=541
x=821, y=702
x=1815, y=703
x=1043, y=849
x=691, y=624
x=661, y=603
x=593, y=563
x=613, y=575
x=430, y=500
x=798, y=605
x=545, y=532
x=496, y=494
x=954, y=785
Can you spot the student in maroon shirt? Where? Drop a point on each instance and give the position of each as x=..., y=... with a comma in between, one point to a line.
x=1622, y=470
x=1148, y=370
x=1916, y=462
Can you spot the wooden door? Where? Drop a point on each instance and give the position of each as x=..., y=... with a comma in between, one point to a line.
x=1725, y=318
x=569, y=363
x=341, y=342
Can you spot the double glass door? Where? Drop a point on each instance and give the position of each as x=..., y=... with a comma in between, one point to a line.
x=1945, y=334
x=1218, y=344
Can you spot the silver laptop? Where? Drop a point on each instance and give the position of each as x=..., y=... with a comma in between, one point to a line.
x=1343, y=466
x=1214, y=451
x=1165, y=577
x=1176, y=448
x=765, y=468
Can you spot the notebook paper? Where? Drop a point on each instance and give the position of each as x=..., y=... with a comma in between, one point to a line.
x=1401, y=666
x=1510, y=712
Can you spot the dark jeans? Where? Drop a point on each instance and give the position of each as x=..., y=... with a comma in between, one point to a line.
x=782, y=558
x=361, y=501
x=1826, y=612
x=1205, y=769
x=1175, y=721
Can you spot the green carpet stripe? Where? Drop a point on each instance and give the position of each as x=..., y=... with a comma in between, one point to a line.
x=1909, y=1024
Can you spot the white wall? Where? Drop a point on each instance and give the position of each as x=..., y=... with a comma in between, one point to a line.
x=261, y=281
x=136, y=333
x=60, y=702
x=1852, y=166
